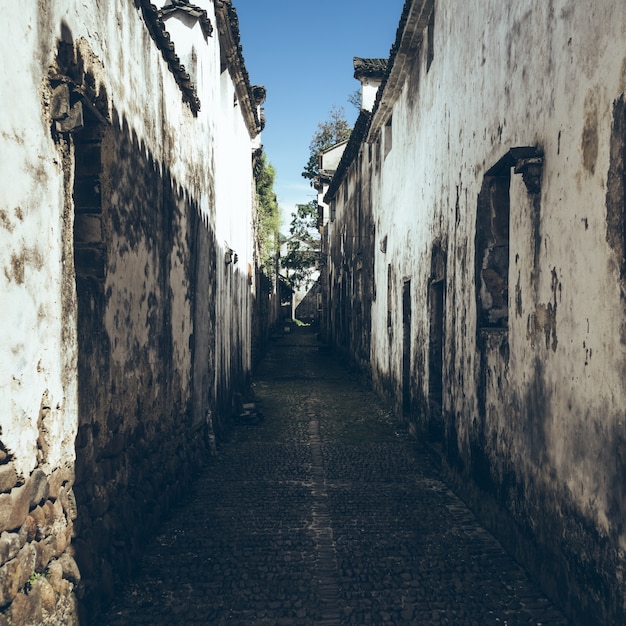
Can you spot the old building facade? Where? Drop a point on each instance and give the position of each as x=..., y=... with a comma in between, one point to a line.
x=128, y=286
x=474, y=233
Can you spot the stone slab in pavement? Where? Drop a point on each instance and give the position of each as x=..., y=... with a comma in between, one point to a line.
x=324, y=513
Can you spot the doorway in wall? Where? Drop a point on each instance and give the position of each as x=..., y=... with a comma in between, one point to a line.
x=435, y=359
x=93, y=346
x=406, y=347
x=89, y=263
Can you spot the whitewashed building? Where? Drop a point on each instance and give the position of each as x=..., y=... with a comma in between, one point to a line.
x=127, y=137
x=476, y=270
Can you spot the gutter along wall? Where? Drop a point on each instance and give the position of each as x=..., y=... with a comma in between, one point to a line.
x=497, y=315
x=124, y=329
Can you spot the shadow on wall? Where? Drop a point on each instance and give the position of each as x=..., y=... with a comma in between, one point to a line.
x=265, y=314
x=143, y=260
x=139, y=277
x=145, y=282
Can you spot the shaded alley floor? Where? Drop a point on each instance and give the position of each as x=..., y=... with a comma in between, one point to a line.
x=324, y=514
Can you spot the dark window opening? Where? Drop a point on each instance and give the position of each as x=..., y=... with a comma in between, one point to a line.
x=616, y=186
x=388, y=135
x=406, y=348
x=492, y=251
x=89, y=254
x=492, y=232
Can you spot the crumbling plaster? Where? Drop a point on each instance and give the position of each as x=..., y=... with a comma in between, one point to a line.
x=29, y=263
x=533, y=44
x=33, y=362
x=533, y=413
x=111, y=376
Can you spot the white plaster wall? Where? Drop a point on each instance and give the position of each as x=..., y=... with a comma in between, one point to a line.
x=234, y=218
x=330, y=158
x=505, y=76
x=37, y=334
x=145, y=96
x=34, y=360
x=368, y=93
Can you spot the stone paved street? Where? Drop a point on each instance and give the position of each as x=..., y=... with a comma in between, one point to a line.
x=324, y=514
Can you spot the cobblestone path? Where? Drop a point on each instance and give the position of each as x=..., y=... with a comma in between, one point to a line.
x=324, y=514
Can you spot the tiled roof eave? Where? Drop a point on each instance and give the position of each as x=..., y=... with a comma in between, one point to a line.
x=194, y=11
x=159, y=34
x=230, y=40
x=415, y=17
x=366, y=68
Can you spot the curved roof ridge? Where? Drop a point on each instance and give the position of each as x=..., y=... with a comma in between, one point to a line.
x=160, y=35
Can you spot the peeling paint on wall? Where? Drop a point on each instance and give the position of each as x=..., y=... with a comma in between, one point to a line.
x=589, y=140
x=110, y=263
x=533, y=363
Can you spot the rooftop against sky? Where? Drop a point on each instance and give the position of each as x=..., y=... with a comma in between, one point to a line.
x=303, y=54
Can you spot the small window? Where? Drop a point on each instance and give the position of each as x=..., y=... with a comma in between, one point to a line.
x=492, y=251
x=388, y=135
x=616, y=186
x=493, y=232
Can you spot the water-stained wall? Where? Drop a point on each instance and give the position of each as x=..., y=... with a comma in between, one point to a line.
x=350, y=240
x=113, y=261
x=498, y=208
x=139, y=379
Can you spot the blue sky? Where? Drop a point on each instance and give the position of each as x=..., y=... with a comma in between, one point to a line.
x=302, y=52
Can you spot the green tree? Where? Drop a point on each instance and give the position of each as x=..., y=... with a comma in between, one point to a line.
x=356, y=99
x=303, y=246
x=268, y=213
x=333, y=131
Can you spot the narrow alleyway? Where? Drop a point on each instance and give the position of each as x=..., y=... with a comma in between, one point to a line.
x=324, y=513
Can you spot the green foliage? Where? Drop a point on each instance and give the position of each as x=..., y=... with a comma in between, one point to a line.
x=304, y=222
x=333, y=131
x=303, y=246
x=268, y=214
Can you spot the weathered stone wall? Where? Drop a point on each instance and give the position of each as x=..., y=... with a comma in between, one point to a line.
x=499, y=201
x=351, y=238
x=36, y=527
x=113, y=252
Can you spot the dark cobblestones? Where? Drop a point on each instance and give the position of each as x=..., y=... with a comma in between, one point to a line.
x=324, y=514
